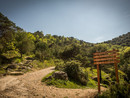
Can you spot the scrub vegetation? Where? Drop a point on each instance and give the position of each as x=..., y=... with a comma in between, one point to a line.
x=24, y=51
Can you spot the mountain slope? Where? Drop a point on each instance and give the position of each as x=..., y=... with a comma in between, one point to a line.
x=123, y=40
x=7, y=26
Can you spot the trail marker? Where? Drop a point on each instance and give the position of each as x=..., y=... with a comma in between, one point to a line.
x=107, y=57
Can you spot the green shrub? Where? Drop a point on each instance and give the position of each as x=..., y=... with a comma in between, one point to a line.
x=39, y=55
x=61, y=83
x=64, y=84
x=2, y=71
x=17, y=60
x=117, y=91
x=59, y=65
x=75, y=73
x=11, y=54
x=38, y=64
x=91, y=83
x=126, y=69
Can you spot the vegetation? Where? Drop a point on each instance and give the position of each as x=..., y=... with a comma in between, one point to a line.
x=68, y=54
x=123, y=40
x=75, y=73
x=117, y=91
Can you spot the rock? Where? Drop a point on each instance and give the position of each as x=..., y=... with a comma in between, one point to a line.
x=60, y=75
x=27, y=62
x=28, y=67
x=11, y=66
x=50, y=77
x=22, y=67
x=16, y=73
x=20, y=64
x=29, y=58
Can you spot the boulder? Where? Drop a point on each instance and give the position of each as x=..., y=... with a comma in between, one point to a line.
x=50, y=77
x=60, y=75
x=22, y=67
x=10, y=67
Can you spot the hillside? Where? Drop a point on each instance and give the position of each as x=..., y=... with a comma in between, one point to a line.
x=7, y=26
x=21, y=52
x=123, y=40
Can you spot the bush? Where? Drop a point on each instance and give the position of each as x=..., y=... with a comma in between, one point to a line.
x=117, y=91
x=61, y=83
x=126, y=69
x=17, y=60
x=75, y=73
x=38, y=55
x=59, y=65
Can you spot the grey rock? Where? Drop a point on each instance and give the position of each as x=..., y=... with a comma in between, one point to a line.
x=60, y=75
x=11, y=66
x=22, y=67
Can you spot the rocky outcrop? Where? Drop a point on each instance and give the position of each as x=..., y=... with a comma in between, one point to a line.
x=58, y=75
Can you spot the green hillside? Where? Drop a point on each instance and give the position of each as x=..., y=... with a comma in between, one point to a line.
x=22, y=51
x=123, y=40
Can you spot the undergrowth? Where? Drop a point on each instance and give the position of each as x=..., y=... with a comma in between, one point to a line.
x=67, y=84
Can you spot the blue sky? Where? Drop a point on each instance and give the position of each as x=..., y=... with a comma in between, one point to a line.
x=89, y=20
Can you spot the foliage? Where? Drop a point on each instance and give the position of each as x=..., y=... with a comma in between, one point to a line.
x=24, y=42
x=39, y=65
x=68, y=54
x=59, y=64
x=117, y=91
x=127, y=54
x=74, y=72
x=71, y=52
x=64, y=84
x=39, y=34
x=11, y=54
x=61, y=83
x=123, y=40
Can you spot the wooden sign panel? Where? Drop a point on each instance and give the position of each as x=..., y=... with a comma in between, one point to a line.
x=107, y=57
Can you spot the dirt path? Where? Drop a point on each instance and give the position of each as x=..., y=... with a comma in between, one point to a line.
x=29, y=86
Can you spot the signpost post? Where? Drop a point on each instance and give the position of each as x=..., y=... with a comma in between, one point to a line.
x=107, y=57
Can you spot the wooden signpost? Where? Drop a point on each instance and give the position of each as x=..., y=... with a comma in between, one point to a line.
x=107, y=57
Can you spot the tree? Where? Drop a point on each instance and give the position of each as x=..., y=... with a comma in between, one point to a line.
x=41, y=50
x=24, y=42
x=70, y=52
x=39, y=33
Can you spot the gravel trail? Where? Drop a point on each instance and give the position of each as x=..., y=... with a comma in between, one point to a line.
x=29, y=86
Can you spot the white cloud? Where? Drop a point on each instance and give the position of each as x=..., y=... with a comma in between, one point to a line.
x=99, y=39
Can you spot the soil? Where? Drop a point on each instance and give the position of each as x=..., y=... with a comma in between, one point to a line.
x=29, y=85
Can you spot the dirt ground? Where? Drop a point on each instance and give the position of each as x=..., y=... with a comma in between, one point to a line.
x=29, y=86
